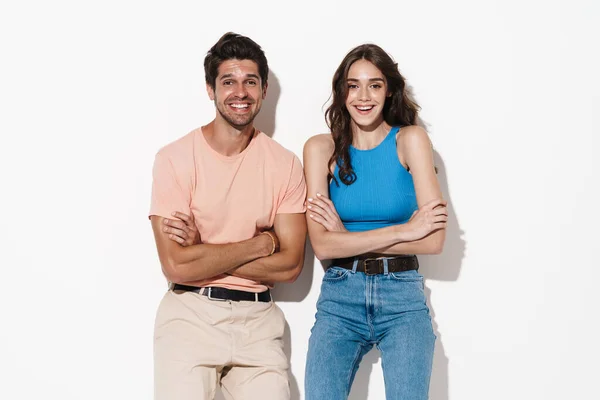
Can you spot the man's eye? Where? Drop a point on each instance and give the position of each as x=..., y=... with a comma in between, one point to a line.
x=251, y=83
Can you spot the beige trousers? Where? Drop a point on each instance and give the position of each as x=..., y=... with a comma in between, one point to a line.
x=201, y=343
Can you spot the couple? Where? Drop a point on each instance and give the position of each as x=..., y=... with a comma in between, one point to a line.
x=230, y=213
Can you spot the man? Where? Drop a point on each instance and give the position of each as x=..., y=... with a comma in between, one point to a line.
x=227, y=214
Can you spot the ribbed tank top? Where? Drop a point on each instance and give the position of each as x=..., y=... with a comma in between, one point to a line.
x=383, y=193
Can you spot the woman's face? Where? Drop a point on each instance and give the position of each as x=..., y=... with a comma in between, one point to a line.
x=367, y=91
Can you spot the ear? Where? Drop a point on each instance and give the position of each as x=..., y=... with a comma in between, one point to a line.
x=210, y=91
x=264, y=91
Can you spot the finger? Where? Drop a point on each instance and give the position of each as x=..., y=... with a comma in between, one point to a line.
x=318, y=210
x=188, y=219
x=174, y=223
x=434, y=203
x=440, y=211
x=329, y=203
x=440, y=218
x=177, y=232
x=324, y=198
x=325, y=207
x=443, y=204
x=320, y=204
x=176, y=238
x=430, y=205
x=319, y=219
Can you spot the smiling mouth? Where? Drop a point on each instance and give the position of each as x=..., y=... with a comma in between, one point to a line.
x=239, y=107
x=364, y=109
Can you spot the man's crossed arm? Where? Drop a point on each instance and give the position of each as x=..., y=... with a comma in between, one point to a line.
x=185, y=259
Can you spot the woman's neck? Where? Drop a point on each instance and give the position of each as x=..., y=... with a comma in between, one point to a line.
x=365, y=138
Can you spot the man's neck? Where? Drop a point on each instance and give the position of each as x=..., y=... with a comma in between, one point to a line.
x=226, y=139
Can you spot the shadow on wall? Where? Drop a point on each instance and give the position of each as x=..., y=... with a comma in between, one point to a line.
x=442, y=267
x=286, y=292
x=292, y=292
x=295, y=292
x=265, y=120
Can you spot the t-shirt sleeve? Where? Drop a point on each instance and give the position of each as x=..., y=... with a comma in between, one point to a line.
x=168, y=194
x=294, y=199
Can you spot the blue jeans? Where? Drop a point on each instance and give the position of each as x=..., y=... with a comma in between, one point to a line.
x=356, y=311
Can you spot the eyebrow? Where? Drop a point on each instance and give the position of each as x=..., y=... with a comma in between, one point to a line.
x=370, y=80
x=226, y=76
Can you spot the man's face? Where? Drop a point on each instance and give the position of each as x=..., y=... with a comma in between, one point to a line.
x=238, y=92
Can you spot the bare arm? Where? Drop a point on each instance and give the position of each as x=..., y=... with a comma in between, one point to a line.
x=430, y=244
x=329, y=244
x=414, y=143
x=286, y=264
x=203, y=261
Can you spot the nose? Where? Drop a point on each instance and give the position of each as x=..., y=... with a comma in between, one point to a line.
x=363, y=94
x=240, y=91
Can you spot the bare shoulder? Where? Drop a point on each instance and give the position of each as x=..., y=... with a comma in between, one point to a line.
x=319, y=145
x=413, y=136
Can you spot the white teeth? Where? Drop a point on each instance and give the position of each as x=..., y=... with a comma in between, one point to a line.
x=239, y=105
x=364, y=108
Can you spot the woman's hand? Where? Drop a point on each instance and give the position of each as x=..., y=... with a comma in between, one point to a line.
x=431, y=217
x=323, y=211
x=182, y=230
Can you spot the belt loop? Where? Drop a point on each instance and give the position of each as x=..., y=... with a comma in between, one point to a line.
x=354, y=265
x=202, y=291
x=385, y=267
x=255, y=297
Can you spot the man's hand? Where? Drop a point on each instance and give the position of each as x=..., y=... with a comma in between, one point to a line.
x=182, y=230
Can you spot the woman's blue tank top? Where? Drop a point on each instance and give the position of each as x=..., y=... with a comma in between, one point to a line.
x=383, y=193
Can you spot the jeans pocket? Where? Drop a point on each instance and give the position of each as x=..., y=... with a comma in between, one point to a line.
x=407, y=276
x=335, y=274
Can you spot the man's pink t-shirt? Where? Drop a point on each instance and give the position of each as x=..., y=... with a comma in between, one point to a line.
x=232, y=198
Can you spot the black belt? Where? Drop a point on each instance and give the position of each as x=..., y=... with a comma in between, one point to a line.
x=223, y=294
x=373, y=263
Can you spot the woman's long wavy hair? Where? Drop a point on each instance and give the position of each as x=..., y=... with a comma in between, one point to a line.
x=398, y=109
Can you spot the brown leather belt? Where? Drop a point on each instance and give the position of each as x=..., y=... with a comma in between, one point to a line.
x=372, y=264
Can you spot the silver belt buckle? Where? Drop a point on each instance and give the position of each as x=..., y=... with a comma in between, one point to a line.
x=209, y=295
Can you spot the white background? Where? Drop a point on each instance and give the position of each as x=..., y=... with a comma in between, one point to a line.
x=510, y=95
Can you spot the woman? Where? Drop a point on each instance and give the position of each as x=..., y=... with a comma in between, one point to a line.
x=384, y=206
